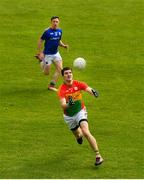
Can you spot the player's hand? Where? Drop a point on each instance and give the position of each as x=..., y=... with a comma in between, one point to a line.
x=95, y=93
x=66, y=46
x=39, y=56
x=71, y=101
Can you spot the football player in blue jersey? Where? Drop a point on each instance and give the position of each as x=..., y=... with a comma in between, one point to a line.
x=51, y=38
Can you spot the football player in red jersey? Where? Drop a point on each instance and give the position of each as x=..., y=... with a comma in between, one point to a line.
x=75, y=114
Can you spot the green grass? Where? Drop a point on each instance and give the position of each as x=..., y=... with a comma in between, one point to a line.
x=34, y=140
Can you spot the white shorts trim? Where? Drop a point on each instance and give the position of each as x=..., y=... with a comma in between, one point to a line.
x=73, y=121
x=49, y=59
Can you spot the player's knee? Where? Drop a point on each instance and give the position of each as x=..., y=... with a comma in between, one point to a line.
x=59, y=70
x=46, y=72
x=86, y=133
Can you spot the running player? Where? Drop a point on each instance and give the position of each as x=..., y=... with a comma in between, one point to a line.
x=52, y=40
x=75, y=114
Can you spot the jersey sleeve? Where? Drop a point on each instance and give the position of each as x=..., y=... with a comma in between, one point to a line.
x=45, y=35
x=61, y=93
x=82, y=85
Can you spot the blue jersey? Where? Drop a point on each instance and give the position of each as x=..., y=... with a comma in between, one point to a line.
x=52, y=38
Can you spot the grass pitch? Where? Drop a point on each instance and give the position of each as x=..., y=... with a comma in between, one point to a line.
x=34, y=140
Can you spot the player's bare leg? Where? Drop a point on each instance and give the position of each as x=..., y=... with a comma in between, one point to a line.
x=78, y=134
x=58, y=67
x=92, y=141
x=45, y=68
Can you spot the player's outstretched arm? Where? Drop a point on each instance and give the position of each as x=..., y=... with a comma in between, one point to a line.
x=39, y=55
x=92, y=91
x=40, y=45
x=63, y=45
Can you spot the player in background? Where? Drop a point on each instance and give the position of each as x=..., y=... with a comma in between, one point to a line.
x=75, y=114
x=52, y=40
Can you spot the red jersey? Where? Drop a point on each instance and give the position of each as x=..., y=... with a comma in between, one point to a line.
x=74, y=91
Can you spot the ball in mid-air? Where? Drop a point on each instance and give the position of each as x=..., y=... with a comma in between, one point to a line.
x=79, y=63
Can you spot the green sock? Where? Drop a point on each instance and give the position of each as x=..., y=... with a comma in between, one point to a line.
x=52, y=83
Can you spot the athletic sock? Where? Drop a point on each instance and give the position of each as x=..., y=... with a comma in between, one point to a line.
x=97, y=152
x=52, y=83
x=80, y=140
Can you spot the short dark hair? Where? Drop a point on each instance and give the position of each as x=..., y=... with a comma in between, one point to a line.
x=65, y=69
x=54, y=17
